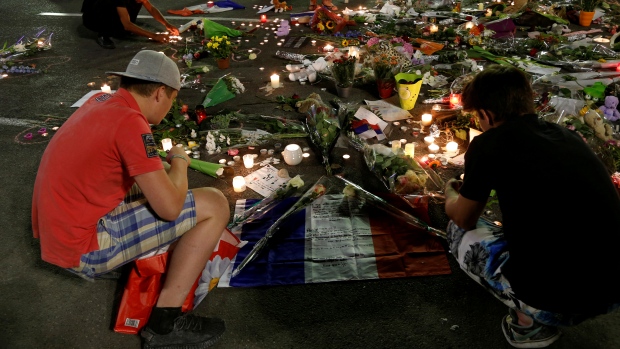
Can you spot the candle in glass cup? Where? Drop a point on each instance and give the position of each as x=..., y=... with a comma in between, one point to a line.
x=427, y=119
x=239, y=184
x=429, y=140
x=410, y=149
x=275, y=81
x=433, y=148
x=452, y=148
x=395, y=146
x=248, y=160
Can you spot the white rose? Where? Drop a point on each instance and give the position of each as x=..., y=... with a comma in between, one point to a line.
x=296, y=182
x=349, y=190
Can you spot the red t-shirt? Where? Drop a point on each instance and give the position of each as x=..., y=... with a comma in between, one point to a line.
x=85, y=172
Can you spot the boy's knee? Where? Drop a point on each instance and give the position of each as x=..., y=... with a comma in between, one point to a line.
x=213, y=200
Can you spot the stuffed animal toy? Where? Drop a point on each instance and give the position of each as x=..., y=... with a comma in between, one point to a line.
x=280, y=6
x=601, y=129
x=609, y=110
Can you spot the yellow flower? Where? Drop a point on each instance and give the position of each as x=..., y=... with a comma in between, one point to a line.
x=209, y=44
x=329, y=25
x=227, y=42
x=218, y=39
x=345, y=43
x=224, y=37
x=320, y=26
x=215, y=45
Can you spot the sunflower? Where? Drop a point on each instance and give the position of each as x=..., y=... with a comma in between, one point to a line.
x=320, y=26
x=330, y=25
x=345, y=43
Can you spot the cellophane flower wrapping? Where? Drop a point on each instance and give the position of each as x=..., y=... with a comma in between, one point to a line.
x=326, y=22
x=226, y=88
x=399, y=173
x=324, y=129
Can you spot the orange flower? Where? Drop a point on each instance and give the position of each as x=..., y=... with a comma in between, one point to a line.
x=434, y=164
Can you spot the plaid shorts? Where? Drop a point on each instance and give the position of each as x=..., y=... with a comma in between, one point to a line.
x=131, y=231
x=481, y=253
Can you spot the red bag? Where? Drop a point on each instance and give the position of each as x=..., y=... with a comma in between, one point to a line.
x=141, y=292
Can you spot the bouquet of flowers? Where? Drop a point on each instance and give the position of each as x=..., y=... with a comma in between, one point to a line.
x=26, y=45
x=263, y=206
x=220, y=47
x=395, y=51
x=226, y=88
x=324, y=129
x=326, y=22
x=316, y=191
x=343, y=70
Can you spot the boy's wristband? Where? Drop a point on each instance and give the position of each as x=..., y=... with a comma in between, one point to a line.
x=179, y=157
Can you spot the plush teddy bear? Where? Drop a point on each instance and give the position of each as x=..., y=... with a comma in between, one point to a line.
x=601, y=129
x=609, y=110
x=280, y=6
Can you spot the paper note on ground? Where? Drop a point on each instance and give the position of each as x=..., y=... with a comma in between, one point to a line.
x=265, y=180
x=388, y=112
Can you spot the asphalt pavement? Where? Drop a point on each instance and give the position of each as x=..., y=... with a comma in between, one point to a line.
x=42, y=306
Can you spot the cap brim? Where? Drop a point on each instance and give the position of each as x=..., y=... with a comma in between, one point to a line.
x=135, y=76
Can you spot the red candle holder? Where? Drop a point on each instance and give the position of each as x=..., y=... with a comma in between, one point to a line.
x=263, y=18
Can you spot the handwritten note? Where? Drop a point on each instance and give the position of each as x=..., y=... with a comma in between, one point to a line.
x=265, y=180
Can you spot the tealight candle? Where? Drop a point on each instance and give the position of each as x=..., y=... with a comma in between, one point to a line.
x=434, y=29
x=436, y=107
x=452, y=148
x=166, y=144
x=328, y=48
x=305, y=155
x=239, y=184
x=469, y=25
x=427, y=119
x=263, y=18
x=410, y=149
x=429, y=140
x=106, y=89
x=433, y=148
x=248, y=160
x=222, y=161
x=403, y=141
x=275, y=81
x=346, y=156
x=455, y=100
x=313, y=42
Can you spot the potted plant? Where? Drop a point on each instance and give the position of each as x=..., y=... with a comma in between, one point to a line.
x=587, y=11
x=221, y=48
x=343, y=71
x=384, y=68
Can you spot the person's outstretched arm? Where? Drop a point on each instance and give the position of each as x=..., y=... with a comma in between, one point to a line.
x=159, y=17
x=462, y=211
x=129, y=26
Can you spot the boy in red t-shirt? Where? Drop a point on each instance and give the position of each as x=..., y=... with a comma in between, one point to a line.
x=102, y=198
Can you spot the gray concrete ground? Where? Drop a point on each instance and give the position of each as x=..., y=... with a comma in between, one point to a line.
x=44, y=307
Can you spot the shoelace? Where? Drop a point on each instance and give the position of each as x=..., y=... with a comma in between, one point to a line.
x=188, y=322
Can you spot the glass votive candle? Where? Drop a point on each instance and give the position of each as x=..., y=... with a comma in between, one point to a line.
x=346, y=156
x=427, y=119
x=452, y=148
x=239, y=184
x=166, y=144
x=248, y=160
x=429, y=140
x=410, y=149
x=433, y=148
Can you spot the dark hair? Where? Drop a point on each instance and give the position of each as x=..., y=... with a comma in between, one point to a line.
x=503, y=90
x=143, y=87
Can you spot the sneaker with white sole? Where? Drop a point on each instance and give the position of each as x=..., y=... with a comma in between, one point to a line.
x=534, y=336
x=189, y=332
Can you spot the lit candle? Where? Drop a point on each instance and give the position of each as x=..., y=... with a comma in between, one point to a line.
x=436, y=107
x=434, y=29
x=166, y=144
x=455, y=100
x=106, y=89
x=209, y=3
x=469, y=25
x=275, y=81
x=346, y=156
x=429, y=140
x=239, y=184
x=328, y=48
x=305, y=155
x=313, y=42
x=191, y=144
x=488, y=14
x=263, y=18
x=427, y=119
x=410, y=149
x=433, y=148
x=222, y=161
x=354, y=51
x=248, y=160
x=452, y=148
x=403, y=141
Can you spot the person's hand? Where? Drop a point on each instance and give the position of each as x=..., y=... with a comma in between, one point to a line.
x=172, y=30
x=162, y=38
x=453, y=186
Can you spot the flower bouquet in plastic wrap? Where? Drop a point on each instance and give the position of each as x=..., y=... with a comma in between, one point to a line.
x=399, y=173
x=27, y=45
x=323, y=128
x=326, y=22
x=291, y=188
x=226, y=88
x=320, y=188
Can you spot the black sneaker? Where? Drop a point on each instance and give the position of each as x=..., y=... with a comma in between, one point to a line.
x=189, y=332
x=535, y=336
x=105, y=42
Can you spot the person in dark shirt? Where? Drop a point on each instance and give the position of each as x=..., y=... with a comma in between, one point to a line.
x=117, y=18
x=552, y=257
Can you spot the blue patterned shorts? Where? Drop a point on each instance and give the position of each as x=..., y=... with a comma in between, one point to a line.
x=131, y=231
x=481, y=253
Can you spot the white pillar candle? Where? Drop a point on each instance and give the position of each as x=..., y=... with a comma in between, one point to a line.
x=106, y=89
x=429, y=140
x=433, y=148
x=395, y=146
x=427, y=119
x=166, y=144
x=239, y=184
x=248, y=160
x=275, y=81
x=410, y=149
x=452, y=147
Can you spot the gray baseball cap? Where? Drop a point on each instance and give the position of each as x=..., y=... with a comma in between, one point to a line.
x=153, y=66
